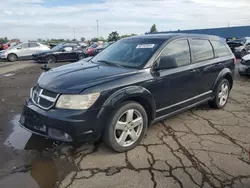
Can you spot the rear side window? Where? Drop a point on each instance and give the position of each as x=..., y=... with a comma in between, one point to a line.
x=201, y=49
x=33, y=45
x=179, y=50
x=220, y=48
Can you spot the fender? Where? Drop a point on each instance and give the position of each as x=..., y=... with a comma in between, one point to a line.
x=125, y=94
x=222, y=74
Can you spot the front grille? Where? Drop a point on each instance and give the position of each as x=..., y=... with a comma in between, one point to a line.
x=43, y=98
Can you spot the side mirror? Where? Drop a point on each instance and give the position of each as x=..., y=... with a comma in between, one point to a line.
x=19, y=48
x=63, y=50
x=166, y=62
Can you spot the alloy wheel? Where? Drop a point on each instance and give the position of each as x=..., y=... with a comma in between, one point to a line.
x=128, y=128
x=223, y=94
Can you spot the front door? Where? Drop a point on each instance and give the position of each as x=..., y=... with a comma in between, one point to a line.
x=174, y=88
x=65, y=54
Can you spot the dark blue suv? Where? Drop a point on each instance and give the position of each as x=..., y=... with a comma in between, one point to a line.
x=128, y=86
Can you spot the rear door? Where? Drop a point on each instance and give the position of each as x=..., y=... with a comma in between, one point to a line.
x=204, y=63
x=34, y=47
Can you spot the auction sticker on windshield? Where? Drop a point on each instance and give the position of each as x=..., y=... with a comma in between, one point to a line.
x=145, y=46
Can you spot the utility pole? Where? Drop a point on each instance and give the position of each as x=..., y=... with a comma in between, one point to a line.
x=74, y=33
x=97, y=28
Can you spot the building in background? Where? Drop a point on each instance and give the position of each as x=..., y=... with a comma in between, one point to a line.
x=225, y=32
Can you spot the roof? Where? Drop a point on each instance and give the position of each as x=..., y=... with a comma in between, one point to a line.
x=175, y=35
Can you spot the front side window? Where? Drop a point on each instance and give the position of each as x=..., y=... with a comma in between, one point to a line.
x=201, y=49
x=179, y=50
x=220, y=48
x=131, y=52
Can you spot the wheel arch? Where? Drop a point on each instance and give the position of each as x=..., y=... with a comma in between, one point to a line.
x=137, y=94
x=226, y=73
x=12, y=54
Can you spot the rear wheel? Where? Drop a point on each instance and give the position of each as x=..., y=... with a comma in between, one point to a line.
x=51, y=59
x=12, y=57
x=243, y=53
x=222, y=94
x=127, y=127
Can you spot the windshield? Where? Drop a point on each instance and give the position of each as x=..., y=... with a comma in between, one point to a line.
x=57, y=47
x=133, y=52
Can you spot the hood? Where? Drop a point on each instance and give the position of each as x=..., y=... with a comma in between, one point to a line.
x=75, y=77
x=246, y=57
x=234, y=44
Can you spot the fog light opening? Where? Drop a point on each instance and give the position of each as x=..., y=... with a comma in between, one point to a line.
x=60, y=135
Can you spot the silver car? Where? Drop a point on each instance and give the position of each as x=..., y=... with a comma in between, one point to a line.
x=23, y=51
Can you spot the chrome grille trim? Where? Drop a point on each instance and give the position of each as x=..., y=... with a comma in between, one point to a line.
x=37, y=95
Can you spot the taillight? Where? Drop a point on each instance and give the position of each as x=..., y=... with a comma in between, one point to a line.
x=235, y=60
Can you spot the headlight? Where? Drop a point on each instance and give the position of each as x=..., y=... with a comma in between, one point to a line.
x=77, y=102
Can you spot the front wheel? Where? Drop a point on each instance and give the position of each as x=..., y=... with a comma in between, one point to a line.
x=12, y=57
x=222, y=94
x=126, y=127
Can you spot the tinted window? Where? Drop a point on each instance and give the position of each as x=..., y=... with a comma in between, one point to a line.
x=220, y=49
x=133, y=52
x=179, y=50
x=33, y=45
x=25, y=45
x=201, y=49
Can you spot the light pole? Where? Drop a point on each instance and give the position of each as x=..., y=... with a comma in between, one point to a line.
x=97, y=21
x=74, y=33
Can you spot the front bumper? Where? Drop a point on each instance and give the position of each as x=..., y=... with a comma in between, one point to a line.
x=244, y=69
x=79, y=126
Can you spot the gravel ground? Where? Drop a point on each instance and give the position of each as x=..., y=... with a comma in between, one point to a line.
x=202, y=147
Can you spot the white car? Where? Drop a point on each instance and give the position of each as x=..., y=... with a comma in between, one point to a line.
x=23, y=51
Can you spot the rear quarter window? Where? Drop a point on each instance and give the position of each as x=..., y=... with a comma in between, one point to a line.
x=221, y=49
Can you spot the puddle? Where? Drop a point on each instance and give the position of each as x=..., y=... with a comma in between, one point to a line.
x=21, y=139
x=39, y=168
x=43, y=174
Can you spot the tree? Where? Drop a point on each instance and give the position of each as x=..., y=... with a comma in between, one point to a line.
x=153, y=29
x=113, y=36
x=125, y=36
x=82, y=39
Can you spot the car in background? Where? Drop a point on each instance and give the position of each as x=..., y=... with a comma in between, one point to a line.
x=101, y=48
x=62, y=52
x=23, y=51
x=244, y=66
x=240, y=47
x=9, y=44
x=91, y=48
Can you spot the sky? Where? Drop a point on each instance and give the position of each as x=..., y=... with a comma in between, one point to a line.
x=33, y=19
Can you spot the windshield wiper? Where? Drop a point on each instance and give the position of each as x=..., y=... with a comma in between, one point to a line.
x=109, y=63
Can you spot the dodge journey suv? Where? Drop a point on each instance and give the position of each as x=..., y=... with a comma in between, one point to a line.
x=129, y=86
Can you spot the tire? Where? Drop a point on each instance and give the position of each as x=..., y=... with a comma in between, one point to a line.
x=243, y=53
x=119, y=136
x=12, y=57
x=221, y=95
x=51, y=59
x=81, y=56
x=241, y=74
